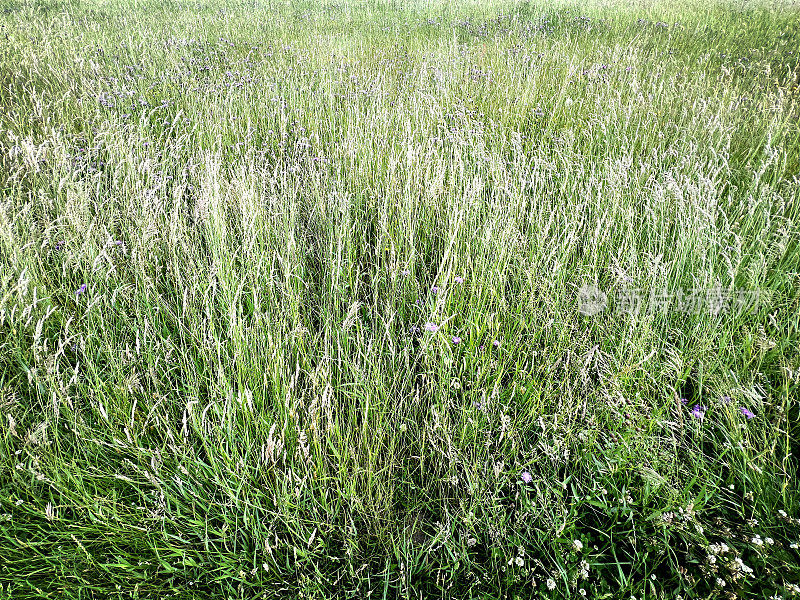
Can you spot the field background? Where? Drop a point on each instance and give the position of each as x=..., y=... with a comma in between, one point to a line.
x=225, y=226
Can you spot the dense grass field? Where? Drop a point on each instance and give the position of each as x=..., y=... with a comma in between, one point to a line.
x=399, y=299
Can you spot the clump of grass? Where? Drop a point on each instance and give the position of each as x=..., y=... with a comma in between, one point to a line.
x=289, y=300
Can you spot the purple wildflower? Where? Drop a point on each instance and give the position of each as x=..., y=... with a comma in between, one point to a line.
x=435, y=289
x=526, y=477
x=432, y=327
x=698, y=412
x=496, y=343
x=747, y=413
x=684, y=401
x=80, y=290
x=459, y=279
x=456, y=339
x=726, y=399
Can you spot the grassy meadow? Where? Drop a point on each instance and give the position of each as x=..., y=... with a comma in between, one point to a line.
x=293, y=299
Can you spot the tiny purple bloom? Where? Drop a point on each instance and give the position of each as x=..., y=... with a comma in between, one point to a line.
x=747, y=413
x=526, y=477
x=684, y=401
x=481, y=347
x=698, y=412
x=726, y=399
x=456, y=339
x=496, y=343
x=459, y=279
x=433, y=327
x=80, y=290
x=435, y=289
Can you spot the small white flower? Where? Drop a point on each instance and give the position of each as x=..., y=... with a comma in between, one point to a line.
x=743, y=567
x=551, y=584
x=578, y=545
x=520, y=561
x=720, y=582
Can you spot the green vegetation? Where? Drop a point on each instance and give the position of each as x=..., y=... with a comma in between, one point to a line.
x=292, y=299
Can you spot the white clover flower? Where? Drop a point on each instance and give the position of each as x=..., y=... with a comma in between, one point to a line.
x=584, y=570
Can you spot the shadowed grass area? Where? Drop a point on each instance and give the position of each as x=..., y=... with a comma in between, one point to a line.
x=293, y=299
